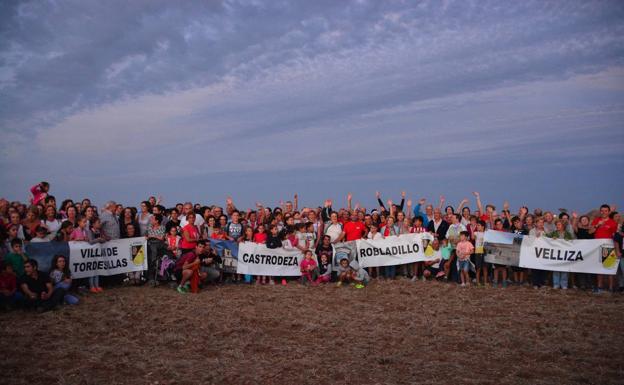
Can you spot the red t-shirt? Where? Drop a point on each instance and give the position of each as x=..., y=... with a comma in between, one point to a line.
x=606, y=230
x=260, y=238
x=186, y=258
x=193, y=232
x=354, y=230
x=8, y=281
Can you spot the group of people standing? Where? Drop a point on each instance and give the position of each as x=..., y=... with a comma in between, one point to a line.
x=179, y=248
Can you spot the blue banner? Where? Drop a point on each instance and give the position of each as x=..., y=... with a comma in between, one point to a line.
x=43, y=252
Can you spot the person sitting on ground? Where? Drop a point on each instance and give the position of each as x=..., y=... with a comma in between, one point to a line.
x=344, y=273
x=38, y=290
x=432, y=266
x=60, y=276
x=309, y=269
x=325, y=269
x=359, y=275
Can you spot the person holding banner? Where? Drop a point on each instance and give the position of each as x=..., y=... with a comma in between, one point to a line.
x=537, y=275
x=560, y=278
x=604, y=228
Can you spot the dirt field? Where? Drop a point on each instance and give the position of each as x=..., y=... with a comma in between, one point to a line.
x=389, y=333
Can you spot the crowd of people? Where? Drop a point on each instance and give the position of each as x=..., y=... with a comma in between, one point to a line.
x=179, y=248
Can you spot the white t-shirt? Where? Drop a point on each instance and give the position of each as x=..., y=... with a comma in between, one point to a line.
x=334, y=231
x=53, y=227
x=376, y=236
x=199, y=221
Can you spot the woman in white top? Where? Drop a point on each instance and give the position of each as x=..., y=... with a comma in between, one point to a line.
x=50, y=222
x=334, y=228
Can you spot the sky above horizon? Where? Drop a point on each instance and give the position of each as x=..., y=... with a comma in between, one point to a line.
x=522, y=101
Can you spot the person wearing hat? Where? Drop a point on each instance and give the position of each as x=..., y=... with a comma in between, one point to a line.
x=41, y=235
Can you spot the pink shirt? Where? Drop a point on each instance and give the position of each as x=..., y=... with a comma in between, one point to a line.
x=78, y=235
x=306, y=264
x=464, y=249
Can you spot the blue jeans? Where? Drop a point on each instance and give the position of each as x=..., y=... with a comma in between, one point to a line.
x=69, y=299
x=560, y=279
x=94, y=281
x=389, y=271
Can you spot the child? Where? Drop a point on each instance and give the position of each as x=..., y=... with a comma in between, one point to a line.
x=310, y=235
x=61, y=278
x=41, y=235
x=518, y=228
x=94, y=235
x=374, y=234
x=260, y=235
x=309, y=269
x=344, y=272
x=325, y=270
x=478, y=236
x=172, y=240
x=79, y=234
x=464, y=249
x=16, y=257
x=218, y=234
x=359, y=275
x=448, y=257
x=417, y=228
x=9, y=295
x=302, y=240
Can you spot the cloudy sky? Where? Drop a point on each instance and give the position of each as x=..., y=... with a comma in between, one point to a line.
x=521, y=100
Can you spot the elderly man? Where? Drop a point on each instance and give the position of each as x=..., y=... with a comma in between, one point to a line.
x=110, y=221
x=188, y=208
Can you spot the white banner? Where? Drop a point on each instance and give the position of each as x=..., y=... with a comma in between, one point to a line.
x=393, y=250
x=257, y=259
x=109, y=258
x=595, y=256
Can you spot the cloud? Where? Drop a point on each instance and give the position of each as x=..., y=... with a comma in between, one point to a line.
x=147, y=89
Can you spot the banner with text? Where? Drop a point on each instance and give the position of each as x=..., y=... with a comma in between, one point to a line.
x=502, y=248
x=595, y=256
x=257, y=259
x=393, y=250
x=113, y=257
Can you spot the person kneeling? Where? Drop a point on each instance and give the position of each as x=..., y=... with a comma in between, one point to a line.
x=187, y=268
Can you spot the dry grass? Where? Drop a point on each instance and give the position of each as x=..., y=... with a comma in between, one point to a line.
x=389, y=333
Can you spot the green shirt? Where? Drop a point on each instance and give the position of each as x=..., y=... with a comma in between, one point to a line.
x=17, y=261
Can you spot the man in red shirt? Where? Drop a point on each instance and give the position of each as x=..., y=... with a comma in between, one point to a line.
x=187, y=265
x=354, y=229
x=605, y=228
